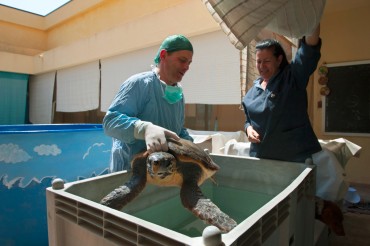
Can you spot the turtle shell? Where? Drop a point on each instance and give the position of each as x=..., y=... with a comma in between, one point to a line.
x=187, y=151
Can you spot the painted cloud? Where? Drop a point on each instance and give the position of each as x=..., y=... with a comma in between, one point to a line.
x=47, y=150
x=12, y=153
x=88, y=150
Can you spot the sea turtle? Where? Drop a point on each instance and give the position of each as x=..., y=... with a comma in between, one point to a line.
x=184, y=165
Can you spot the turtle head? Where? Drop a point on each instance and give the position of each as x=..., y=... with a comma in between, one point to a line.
x=161, y=164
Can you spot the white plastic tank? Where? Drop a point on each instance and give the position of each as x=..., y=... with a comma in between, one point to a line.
x=272, y=201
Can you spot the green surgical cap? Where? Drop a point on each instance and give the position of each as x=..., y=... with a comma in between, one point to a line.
x=174, y=43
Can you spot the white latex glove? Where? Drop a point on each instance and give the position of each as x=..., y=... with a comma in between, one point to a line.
x=155, y=136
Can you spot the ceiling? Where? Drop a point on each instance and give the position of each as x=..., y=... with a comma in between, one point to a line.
x=71, y=8
x=38, y=7
x=62, y=13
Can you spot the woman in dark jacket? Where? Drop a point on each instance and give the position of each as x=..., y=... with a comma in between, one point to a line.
x=277, y=122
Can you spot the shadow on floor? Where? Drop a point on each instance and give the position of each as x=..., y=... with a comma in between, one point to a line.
x=356, y=221
x=357, y=228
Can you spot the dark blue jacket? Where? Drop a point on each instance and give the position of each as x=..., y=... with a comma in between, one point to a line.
x=279, y=113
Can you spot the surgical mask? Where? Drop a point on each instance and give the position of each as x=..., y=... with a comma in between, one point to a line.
x=172, y=94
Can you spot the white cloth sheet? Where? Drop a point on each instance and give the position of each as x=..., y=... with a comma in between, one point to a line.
x=214, y=74
x=214, y=141
x=41, y=89
x=330, y=162
x=117, y=69
x=242, y=20
x=78, y=88
x=206, y=82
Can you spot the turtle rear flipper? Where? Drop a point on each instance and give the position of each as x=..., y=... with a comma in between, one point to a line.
x=193, y=199
x=119, y=197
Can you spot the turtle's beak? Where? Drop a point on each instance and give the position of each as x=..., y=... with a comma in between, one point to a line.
x=160, y=167
x=163, y=168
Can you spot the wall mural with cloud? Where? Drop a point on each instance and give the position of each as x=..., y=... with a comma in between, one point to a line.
x=31, y=157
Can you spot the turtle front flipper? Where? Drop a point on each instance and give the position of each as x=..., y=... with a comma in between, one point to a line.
x=124, y=194
x=193, y=199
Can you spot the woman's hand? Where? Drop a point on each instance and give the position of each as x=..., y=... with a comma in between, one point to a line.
x=253, y=136
x=313, y=38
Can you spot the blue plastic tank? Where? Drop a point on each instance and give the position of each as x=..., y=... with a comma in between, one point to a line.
x=31, y=156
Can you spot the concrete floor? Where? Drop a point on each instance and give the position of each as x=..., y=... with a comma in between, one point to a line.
x=356, y=222
x=357, y=228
